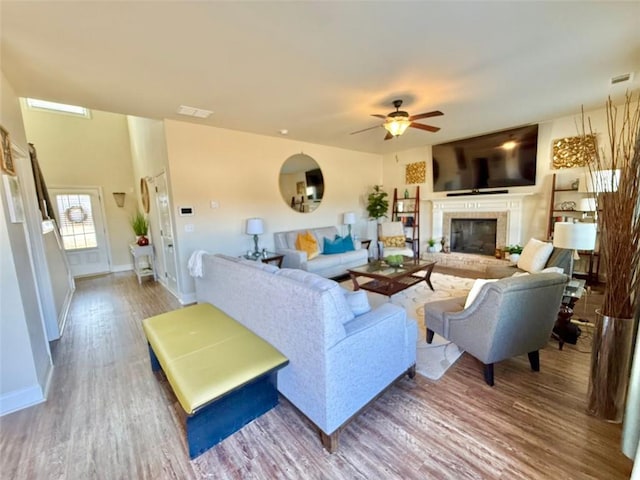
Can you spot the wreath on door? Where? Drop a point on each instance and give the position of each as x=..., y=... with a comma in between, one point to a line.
x=75, y=214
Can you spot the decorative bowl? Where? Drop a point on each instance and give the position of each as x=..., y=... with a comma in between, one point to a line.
x=394, y=262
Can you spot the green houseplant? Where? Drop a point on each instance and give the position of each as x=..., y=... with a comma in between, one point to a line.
x=377, y=203
x=140, y=226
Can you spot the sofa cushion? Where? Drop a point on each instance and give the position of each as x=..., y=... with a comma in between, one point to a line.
x=337, y=245
x=358, y=301
x=535, y=255
x=306, y=242
x=395, y=241
x=475, y=290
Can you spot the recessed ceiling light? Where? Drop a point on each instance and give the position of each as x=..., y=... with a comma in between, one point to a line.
x=284, y=131
x=625, y=77
x=194, y=112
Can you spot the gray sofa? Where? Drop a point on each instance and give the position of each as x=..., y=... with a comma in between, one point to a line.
x=560, y=257
x=328, y=266
x=338, y=361
x=511, y=316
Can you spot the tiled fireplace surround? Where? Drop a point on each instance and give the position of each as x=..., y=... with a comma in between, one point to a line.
x=505, y=208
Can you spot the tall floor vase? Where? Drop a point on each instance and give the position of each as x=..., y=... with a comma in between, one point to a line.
x=610, y=363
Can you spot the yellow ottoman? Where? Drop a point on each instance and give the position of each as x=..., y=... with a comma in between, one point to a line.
x=223, y=375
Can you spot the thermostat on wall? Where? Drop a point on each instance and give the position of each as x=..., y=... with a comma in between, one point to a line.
x=185, y=211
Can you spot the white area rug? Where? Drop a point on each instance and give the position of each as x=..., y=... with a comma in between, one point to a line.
x=432, y=360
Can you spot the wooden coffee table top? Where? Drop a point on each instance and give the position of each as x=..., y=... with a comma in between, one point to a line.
x=387, y=280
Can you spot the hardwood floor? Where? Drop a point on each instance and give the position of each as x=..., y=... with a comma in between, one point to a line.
x=109, y=417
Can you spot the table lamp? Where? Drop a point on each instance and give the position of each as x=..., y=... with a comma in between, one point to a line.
x=349, y=218
x=574, y=236
x=255, y=227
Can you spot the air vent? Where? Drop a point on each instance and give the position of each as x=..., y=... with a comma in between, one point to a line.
x=194, y=112
x=621, y=78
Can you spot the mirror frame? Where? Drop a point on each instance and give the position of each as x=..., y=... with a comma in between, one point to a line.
x=295, y=191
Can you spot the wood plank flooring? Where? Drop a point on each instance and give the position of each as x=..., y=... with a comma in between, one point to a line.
x=109, y=417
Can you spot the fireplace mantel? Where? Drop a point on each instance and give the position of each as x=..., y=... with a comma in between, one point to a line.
x=509, y=203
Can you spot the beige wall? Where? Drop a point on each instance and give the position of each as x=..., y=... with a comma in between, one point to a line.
x=76, y=151
x=240, y=171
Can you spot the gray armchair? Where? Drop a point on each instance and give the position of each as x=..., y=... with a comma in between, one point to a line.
x=509, y=317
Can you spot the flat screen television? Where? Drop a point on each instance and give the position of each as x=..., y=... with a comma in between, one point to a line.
x=316, y=181
x=500, y=159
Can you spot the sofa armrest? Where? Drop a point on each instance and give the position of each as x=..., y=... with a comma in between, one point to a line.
x=293, y=258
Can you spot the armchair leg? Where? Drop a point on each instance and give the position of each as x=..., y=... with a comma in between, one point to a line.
x=429, y=335
x=534, y=360
x=488, y=374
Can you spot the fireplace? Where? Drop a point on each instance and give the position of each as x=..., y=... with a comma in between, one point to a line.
x=504, y=209
x=473, y=235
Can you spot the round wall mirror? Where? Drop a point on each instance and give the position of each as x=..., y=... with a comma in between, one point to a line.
x=301, y=183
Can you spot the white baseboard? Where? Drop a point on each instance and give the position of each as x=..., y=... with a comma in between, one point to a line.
x=64, y=313
x=19, y=399
x=122, y=268
x=187, y=298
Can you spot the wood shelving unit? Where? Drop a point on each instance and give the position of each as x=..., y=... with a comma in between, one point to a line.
x=407, y=210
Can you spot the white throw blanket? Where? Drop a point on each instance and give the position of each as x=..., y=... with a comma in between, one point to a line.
x=195, y=263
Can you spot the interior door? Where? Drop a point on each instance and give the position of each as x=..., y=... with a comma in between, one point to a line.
x=166, y=233
x=82, y=228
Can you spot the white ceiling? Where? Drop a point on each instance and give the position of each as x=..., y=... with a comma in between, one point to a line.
x=319, y=69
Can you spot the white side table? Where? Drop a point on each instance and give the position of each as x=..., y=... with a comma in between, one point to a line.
x=139, y=253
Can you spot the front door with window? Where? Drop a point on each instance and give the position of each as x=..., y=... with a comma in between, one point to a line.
x=79, y=213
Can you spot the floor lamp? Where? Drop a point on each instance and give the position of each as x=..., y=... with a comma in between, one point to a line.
x=574, y=236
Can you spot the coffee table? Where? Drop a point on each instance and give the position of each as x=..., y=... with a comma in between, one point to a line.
x=387, y=280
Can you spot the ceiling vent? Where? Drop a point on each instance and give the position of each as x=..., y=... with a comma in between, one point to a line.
x=194, y=112
x=626, y=77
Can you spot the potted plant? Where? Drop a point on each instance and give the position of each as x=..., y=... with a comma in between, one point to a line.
x=140, y=227
x=377, y=203
x=514, y=252
x=432, y=244
x=618, y=203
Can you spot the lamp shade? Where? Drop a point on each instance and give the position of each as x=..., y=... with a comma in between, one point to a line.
x=349, y=218
x=397, y=126
x=574, y=236
x=255, y=226
x=587, y=205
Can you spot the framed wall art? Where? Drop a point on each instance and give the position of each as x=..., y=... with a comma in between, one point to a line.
x=6, y=157
x=415, y=172
x=573, y=152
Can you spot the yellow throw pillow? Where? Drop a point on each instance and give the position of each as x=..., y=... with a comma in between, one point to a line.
x=395, y=241
x=306, y=242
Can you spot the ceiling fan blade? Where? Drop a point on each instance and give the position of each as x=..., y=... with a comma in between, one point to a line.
x=388, y=136
x=435, y=113
x=428, y=128
x=377, y=115
x=365, y=129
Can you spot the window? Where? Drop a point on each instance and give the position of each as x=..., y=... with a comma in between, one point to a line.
x=36, y=104
x=76, y=221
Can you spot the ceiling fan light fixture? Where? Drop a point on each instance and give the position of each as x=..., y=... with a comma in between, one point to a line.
x=396, y=126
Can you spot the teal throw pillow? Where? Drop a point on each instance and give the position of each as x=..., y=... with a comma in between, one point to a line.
x=347, y=243
x=333, y=246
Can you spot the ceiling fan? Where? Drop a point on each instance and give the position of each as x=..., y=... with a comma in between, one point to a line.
x=396, y=123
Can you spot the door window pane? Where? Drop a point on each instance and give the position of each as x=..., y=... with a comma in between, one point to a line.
x=76, y=221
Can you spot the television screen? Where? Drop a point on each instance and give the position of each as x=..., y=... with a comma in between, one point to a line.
x=501, y=159
x=316, y=181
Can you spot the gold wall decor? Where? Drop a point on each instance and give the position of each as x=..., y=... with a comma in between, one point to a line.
x=415, y=172
x=573, y=152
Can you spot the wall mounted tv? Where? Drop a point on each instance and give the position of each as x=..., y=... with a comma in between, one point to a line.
x=497, y=160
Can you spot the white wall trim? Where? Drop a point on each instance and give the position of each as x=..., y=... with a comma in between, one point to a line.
x=19, y=399
x=187, y=298
x=122, y=268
